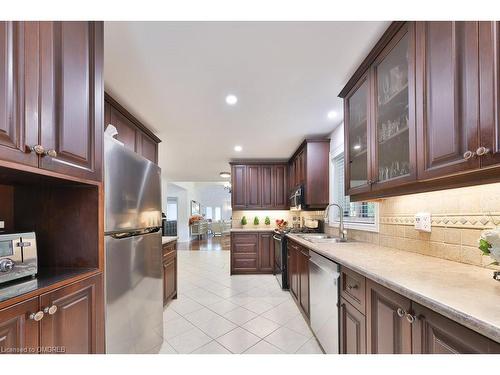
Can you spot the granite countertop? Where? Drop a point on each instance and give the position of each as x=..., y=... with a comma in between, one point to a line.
x=167, y=239
x=253, y=229
x=464, y=293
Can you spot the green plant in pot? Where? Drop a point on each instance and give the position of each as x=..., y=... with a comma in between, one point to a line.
x=256, y=221
x=267, y=220
x=244, y=221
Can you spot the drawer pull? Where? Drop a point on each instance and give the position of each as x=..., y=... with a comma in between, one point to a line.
x=468, y=154
x=50, y=310
x=401, y=312
x=411, y=318
x=482, y=151
x=351, y=287
x=36, y=316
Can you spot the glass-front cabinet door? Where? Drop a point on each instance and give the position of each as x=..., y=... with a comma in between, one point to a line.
x=393, y=112
x=357, y=155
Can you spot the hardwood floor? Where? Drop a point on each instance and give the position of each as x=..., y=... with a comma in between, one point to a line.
x=206, y=244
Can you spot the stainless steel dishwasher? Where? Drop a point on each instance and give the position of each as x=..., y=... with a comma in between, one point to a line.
x=324, y=289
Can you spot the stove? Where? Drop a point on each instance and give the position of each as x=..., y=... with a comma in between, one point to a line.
x=281, y=251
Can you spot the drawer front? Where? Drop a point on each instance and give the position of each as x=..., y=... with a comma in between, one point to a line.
x=169, y=256
x=353, y=288
x=245, y=238
x=244, y=264
x=245, y=248
x=168, y=247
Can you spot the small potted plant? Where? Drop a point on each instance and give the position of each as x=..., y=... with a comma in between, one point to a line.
x=244, y=221
x=256, y=221
x=267, y=221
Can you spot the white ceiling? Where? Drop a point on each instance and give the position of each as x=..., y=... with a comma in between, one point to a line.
x=174, y=76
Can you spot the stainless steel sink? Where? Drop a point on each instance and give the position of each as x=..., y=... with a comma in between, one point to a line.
x=319, y=237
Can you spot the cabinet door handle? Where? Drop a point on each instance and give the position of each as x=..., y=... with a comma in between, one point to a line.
x=411, y=318
x=469, y=154
x=52, y=153
x=37, y=149
x=36, y=316
x=350, y=287
x=50, y=310
x=401, y=312
x=481, y=151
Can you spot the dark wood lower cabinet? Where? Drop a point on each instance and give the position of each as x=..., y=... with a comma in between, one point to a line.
x=388, y=331
x=19, y=333
x=352, y=329
x=169, y=272
x=293, y=273
x=303, y=268
x=266, y=252
x=73, y=326
x=69, y=320
x=298, y=275
x=252, y=252
x=436, y=334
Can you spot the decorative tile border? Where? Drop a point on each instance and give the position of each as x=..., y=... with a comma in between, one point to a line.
x=475, y=221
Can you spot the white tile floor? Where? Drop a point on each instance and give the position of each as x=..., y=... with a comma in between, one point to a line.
x=220, y=314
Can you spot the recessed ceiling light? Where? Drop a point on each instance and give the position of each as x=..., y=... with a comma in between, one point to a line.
x=225, y=174
x=231, y=99
x=332, y=114
x=238, y=148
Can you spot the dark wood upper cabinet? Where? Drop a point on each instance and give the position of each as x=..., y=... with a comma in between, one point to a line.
x=259, y=185
x=126, y=129
x=267, y=193
x=357, y=139
x=388, y=330
x=18, y=91
x=71, y=97
x=393, y=112
x=489, y=91
x=238, y=187
x=433, y=114
x=280, y=186
x=147, y=147
x=131, y=132
x=447, y=97
x=254, y=186
x=309, y=168
x=19, y=333
x=73, y=325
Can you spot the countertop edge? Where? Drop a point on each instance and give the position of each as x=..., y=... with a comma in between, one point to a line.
x=167, y=239
x=469, y=321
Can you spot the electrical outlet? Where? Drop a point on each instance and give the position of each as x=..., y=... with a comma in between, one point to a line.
x=423, y=221
x=2, y=224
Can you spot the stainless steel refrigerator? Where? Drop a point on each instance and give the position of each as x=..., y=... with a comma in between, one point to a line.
x=133, y=267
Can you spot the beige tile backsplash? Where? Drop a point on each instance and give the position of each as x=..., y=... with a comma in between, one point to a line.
x=458, y=217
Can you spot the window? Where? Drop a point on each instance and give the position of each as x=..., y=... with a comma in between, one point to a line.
x=171, y=208
x=218, y=213
x=357, y=215
x=209, y=213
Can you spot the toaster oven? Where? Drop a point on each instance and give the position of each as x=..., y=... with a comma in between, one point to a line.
x=18, y=256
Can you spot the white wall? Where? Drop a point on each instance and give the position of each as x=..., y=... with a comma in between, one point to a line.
x=214, y=195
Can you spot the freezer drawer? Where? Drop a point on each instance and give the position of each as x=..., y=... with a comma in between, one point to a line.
x=134, y=295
